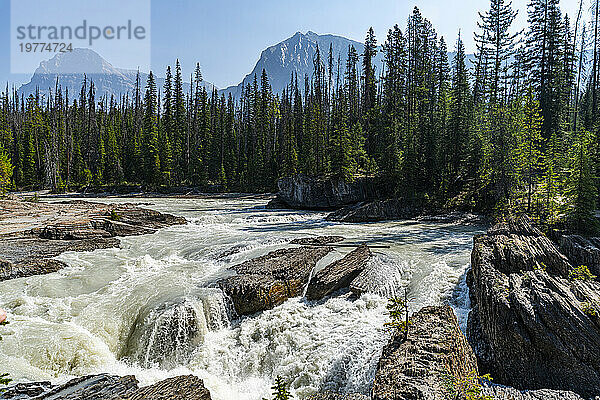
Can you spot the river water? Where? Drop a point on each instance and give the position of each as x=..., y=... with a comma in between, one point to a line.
x=151, y=309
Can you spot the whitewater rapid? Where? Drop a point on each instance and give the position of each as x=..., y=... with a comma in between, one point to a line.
x=151, y=307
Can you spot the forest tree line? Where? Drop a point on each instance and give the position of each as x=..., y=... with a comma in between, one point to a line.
x=516, y=131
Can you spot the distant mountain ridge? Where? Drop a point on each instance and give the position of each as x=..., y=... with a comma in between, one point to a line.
x=70, y=69
x=295, y=55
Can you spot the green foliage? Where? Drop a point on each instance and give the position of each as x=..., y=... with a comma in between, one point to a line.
x=114, y=215
x=6, y=172
x=398, y=310
x=280, y=390
x=581, y=273
x=465, y=388
x=589, y=309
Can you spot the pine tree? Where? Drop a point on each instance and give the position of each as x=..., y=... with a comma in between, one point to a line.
x=6, y=171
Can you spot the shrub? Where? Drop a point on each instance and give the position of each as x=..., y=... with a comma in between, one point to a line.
x=589, y=309
x=467, y=388
x=581, y=273
x=280, y=390
x=398, y=309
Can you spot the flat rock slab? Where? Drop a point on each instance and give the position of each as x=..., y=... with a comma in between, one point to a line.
x=338, y=274
x=414, y=369
x=267, y=281
x=335, y=396
x=31, y=233
x=188, y=387
x=317, y=241
x=110, y=387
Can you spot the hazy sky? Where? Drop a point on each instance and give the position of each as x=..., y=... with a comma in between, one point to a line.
x=227, y=36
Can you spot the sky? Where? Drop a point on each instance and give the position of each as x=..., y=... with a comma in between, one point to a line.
x=227, y=36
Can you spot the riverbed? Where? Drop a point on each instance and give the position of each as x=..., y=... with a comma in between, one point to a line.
x=116, y=310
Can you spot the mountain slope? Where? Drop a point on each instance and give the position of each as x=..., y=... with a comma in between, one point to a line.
x=71, y=67
x=295, y=55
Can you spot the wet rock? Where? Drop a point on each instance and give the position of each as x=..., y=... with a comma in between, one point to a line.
x=379, y=210
x=109, y=387
x=338, y=274
x=188, y=387
x=32, y=233
x=267, y=281
x=399, y=209
x=531, y=328
x=414, y=369
x=28, y=267
x=318, y=241
x=582, y=251
x=304, y=192
x=91, y=387
x=276, y=204
x=335, y=396
x=26, y=390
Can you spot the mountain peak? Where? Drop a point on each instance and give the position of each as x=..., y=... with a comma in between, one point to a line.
x=78, y=61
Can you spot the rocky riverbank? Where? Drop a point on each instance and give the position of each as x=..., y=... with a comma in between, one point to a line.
x=32, y=233
x=533, y=326
x=109, y=387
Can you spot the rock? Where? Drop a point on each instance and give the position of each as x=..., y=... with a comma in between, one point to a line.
x=582, y=251
x=304, y=192
x=498, y=392
x=265, y=282
x=531, y=328
x=91, y=387
x=25, y=390
x=109, y=387
x=379, y=210
x=187, y=387
x=318, y=240
x=33, y=233
x=398, y=209
x=335, y=396
x=338, y=274
x=28, y=267
x=414, y=369
x=276, y=204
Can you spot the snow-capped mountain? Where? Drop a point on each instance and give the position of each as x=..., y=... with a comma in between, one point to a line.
x=70, y=68
x=295, y=55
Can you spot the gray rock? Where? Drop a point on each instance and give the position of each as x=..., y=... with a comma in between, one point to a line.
x=338, y=274
x=109, y=387
x=318, y=240
x=531, y=328
x=498, y=392
x=41, y=231
x=415, y=369
x=335, y=396
x=265, y=282
x=304, y=192
x=582, y=251
x=188, y=387
x=378, y=210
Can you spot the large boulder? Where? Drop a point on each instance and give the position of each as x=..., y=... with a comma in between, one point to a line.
x=267, y=281
x=327, y=193
x=415, y=369
x=188, y=387
x=338, y=274
x=530, y=327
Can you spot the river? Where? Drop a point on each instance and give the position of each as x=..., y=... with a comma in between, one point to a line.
x=151, y=309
